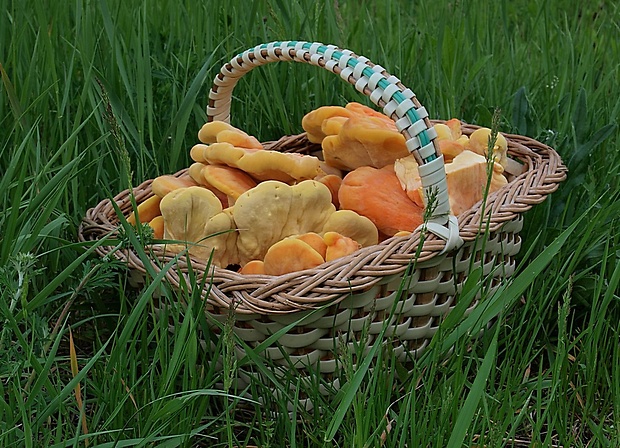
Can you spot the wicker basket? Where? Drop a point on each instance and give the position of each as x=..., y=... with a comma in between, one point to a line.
x=357, y=293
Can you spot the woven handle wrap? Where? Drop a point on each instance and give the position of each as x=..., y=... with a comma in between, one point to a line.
x=384, y=90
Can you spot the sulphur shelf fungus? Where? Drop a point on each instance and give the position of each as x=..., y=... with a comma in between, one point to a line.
x=262, y=216
x=274, y=210
x=219, y=131
x=450, y=138
x=194, y=218
x=479, y=143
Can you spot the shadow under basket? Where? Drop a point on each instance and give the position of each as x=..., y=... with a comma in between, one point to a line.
x=351, y=300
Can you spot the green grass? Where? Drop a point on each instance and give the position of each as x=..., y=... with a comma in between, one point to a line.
x=545, y=373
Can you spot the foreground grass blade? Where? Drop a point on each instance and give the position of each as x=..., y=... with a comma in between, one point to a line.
x=468, y=411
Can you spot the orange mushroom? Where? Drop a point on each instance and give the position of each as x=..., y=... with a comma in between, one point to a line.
x=467, y=179
x=157, y=224
x=450, y=138
x=332, y=182
x=360, y=109
x=377, y=194
x=339, y=245
x=230, y=181
x=291, y=255
x=195, y=171
x=314, y=240
x=163, y=185
x=147, y=210
x=253, y=267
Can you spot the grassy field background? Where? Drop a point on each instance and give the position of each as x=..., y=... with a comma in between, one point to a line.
x=546, y=373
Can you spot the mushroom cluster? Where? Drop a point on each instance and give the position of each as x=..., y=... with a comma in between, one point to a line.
x=264, y=212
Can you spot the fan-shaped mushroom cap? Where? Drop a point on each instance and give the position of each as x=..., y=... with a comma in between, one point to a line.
x=377, y=194
x=147, y=210
x=157, y=224
x=195, y=215
x=162, y=185
x=314, y=240
x=230, y=181
x=353, y=225
x=314, y=121
x=478, y=143
x=264, y=165
x=364, y=141
x=291, y=255
x=254, y=267
x=339, y=245
x=196, y=172
x=220, y=131
x=273, y=210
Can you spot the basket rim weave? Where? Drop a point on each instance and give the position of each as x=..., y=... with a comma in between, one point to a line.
x=335, y=280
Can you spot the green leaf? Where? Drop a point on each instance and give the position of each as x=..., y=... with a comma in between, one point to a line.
x=520, y=109
x=468, y=411
x=580, y=117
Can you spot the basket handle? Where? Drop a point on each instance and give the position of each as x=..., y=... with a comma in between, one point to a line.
x=386, y=91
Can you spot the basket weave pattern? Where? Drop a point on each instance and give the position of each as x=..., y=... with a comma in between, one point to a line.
x=356, y=292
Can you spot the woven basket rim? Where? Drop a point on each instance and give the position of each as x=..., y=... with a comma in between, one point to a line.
x=333, y=281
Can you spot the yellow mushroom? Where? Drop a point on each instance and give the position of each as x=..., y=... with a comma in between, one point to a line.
x=195, y=215
x=220, y=131
x=273, y=210
x=479, y=141
x=314, y=121
x=353, y=225
x=364, y=140
x=264, y=165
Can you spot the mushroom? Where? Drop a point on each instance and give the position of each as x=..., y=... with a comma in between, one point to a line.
x=230, y=181
x=314, y=121
x=314, y=240
x=195, y=215
x=364, y=140
x=352, y=225
x=332, y=182
x=157, y=224
x=360, y=109
x=467, y=179
x=273, y=210
x=450, y=138
x=479, y=141
x=339, y=245
x=147, y=210
x=377, y=194
x=254, y=267
x=406, y=170
x=290, y=255
x=264, y=165
x=196, y=172
x=163, y=185
x=220, y=131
